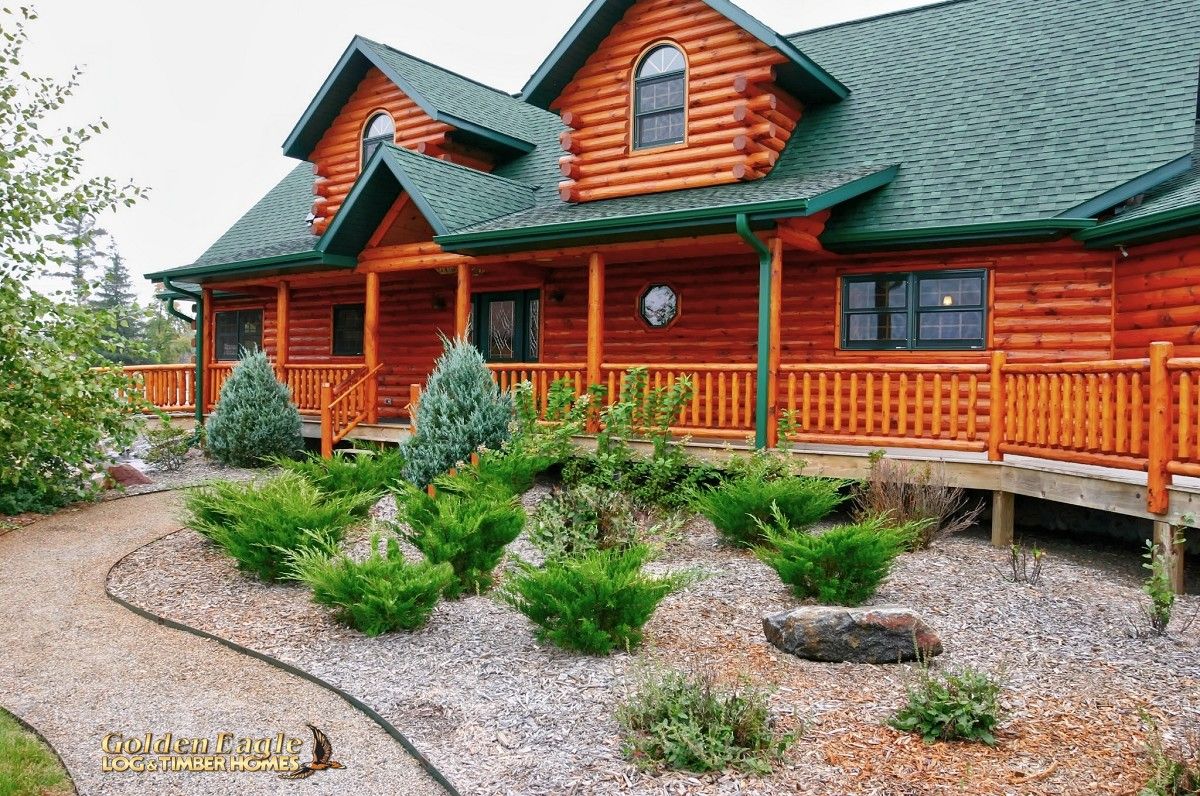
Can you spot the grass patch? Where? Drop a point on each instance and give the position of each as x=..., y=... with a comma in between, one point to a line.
x=27, y=766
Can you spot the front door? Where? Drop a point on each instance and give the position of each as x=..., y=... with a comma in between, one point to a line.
x=506, y=326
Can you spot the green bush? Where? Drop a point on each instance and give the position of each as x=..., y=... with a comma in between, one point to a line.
x=169, y=446
x=255, y=420
x=594, y=602
x=582, y=518
x=685, y=722
x=1174, y=770
x=377, y=595
x=369, y=475
x=843, y=566
x=740, y=506
x=468, y=529
x=262, y=524
x=953, y=707
x=461, y=410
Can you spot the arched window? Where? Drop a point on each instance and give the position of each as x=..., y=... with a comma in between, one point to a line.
x=380, y=130
x=659, y=95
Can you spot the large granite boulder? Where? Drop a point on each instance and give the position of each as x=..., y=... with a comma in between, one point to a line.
x=127, y=475
x=877, y=634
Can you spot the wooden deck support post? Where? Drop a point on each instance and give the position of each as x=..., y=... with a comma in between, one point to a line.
x=462, y=301
x=996, y=408
x=1002, y=518
x=1158, y=479
x=371, y=344
x=207, y=355
x=775, y=357
x=326, y=421
x=595, y=332
x=1168, y=545
x=282, y=329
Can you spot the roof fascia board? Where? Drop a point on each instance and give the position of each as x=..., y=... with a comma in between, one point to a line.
x=1030, y=230
x=221, y=269
x=1126, y=191
x=293, y=139
x=1133, y=230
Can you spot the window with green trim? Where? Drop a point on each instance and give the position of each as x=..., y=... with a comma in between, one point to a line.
x=916, y=310
x=237, y=331
x=348, y=330
x=660, y=93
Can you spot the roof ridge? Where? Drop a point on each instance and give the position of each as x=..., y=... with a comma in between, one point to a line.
x=476, y=172
x=441, y=68
x=873, y=17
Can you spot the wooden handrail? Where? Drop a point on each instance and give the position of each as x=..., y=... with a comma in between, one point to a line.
x=343, y=411
x=170, y=388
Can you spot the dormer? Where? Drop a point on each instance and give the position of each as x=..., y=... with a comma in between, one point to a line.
x=665, y=96
x=376, y=95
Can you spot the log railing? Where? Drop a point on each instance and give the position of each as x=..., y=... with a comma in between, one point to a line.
x=722, y=403
x=215, y=376
x=344, y=406
x=540, y=375
x=171, y=388
x=305, y=382
x=916, y=406
x=1184, y=456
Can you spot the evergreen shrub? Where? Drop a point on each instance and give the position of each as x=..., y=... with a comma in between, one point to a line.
x=370, y=474
x=740, y=506
x=255, y=420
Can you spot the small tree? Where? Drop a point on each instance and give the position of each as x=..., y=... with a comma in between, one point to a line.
x=461, y=409
x=255, y=418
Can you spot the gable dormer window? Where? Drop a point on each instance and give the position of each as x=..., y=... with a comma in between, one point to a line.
x=659, y=96
x=379, y=130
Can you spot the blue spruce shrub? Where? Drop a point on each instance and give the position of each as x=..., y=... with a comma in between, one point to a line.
x=254, y=419
x=460, y=410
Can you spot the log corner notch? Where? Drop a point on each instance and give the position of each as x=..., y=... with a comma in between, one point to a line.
x=738, y=120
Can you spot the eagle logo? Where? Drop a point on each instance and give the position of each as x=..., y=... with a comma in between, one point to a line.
x=322, y=757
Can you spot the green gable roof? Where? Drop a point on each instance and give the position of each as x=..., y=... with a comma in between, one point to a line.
x=799, y=74
x=482, y=115
x=448, y=195
x=1172, y=209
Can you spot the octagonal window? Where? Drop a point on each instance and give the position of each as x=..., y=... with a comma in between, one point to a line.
x=658, y=305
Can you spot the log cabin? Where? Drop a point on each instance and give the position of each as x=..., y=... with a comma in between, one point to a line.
x=967, y=231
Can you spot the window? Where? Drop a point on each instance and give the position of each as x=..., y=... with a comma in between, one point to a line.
x=658, y=306
x=348, y=330
x=923, y=309
x=237, y=331
x=659, y=95
x=506, y=327
x=380, y=130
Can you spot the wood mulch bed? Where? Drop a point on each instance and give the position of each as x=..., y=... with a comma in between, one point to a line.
x=500, y=714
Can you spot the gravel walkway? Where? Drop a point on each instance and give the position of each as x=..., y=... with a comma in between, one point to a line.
x=76, y=665
x=501, y=714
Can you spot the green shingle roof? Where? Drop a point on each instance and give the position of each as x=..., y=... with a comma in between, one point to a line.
x=1170, y=210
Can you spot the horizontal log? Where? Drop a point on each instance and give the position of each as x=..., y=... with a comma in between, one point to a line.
x=878, y=441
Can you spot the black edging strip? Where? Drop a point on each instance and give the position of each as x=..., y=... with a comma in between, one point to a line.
x=352, y=700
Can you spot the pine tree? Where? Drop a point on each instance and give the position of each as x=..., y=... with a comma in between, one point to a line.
x=255, y=418
x=114, y=294
x=461, y=409
x=80, y=238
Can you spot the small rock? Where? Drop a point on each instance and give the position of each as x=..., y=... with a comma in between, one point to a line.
x=128, y=475
x=877, y=634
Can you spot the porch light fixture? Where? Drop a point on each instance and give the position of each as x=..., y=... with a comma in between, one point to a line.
x=446, y=270
x=439, y=303
x=558, y=295
x=947, y=301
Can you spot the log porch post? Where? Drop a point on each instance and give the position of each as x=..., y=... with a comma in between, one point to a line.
x=462, y=301
x=595, y=332
x=206, y=355
x=1168, y=546
x=1159, y=454
x=775, y=357
x=996, y=403
x=371, y=344
x=282, y=328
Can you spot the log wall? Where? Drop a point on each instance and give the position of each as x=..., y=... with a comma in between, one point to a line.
x=1158, y=298
x=737, y=119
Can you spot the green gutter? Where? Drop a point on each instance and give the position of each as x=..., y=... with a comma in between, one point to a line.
x=1028, y=230
x=764, y=329
x=1138, y=185
x=1131, y=230
x=295, y=260
x=198, y=399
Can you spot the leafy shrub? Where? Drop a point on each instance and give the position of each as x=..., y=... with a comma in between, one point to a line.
x=461, y=409
x=843, y=566
x=1173, y=771
x=594, y=602
x=377, y=595
x=262, y=524
x=368, y=475
x=467, y=528
x=1158, y=588
x=1025, y=564
x=513, y=468
x=168, y=446
x=582, y=518
x=953, y=707
x=910, y=492
x=741, y=506
x=685, y=722
x=254, y=420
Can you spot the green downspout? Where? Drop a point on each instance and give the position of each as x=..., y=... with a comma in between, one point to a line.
x=199, y=379
x=764, y=329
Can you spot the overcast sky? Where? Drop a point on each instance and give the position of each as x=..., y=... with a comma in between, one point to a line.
x=199, y=96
